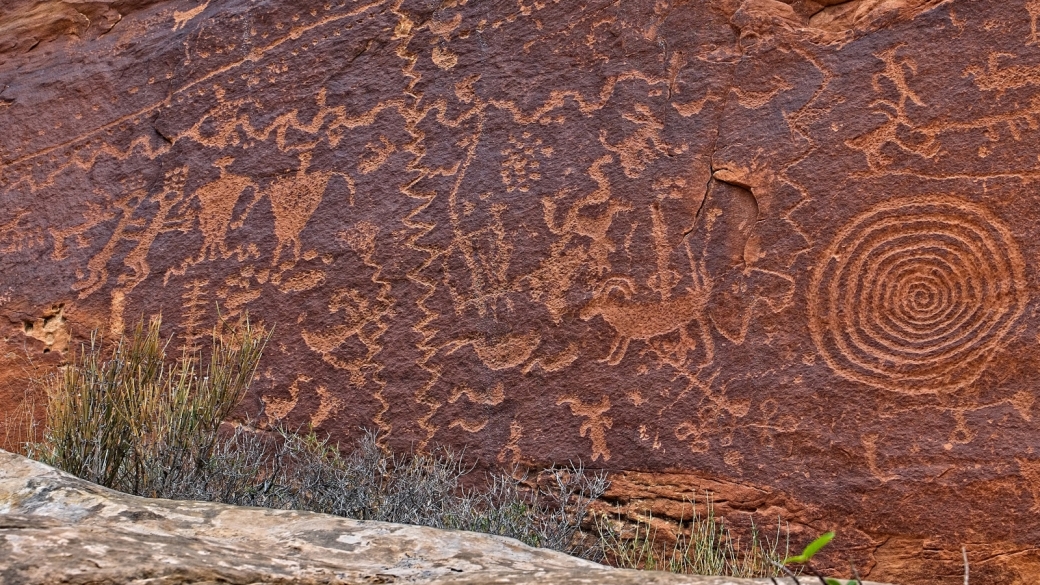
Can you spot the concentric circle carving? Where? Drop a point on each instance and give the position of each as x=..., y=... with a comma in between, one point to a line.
x=916, y=295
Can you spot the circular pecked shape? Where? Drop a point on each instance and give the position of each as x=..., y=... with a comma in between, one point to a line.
x=916, y=295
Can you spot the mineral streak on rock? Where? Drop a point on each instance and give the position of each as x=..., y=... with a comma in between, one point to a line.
x=774, y=248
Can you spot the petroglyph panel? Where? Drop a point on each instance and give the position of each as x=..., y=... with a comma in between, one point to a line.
x=787, y=247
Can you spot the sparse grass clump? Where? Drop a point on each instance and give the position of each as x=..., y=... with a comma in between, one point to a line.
x=133, y=420
x=704, y=545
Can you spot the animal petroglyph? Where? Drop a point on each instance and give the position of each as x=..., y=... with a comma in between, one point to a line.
x=640, y=148
x=593, y=227
x=508, y=352
x=633, y=320
x=181, y=18
x=514, y=224
x=916, y=295
x=1001, y=79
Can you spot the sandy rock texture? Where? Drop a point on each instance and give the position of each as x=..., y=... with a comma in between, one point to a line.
x=55, y=528
x=785, y=251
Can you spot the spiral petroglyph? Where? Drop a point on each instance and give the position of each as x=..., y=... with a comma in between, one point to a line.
x=917, y=295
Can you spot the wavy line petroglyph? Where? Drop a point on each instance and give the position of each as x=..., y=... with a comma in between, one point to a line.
x=143, y=144
x=917, y=295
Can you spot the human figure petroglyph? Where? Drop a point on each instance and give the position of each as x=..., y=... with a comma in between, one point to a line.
x=217, y=201
x=97, y=266
x=142, y=230
x=595, y=425
x=643, y=321
x=595, y=227
x=894, y=130
x=554, y=277
x=171, y=196
x=293, y=200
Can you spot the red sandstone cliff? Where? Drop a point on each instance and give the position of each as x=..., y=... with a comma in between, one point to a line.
x=786, y=251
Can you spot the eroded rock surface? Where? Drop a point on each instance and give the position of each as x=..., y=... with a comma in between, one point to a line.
x=786, y=250
x=55, y=528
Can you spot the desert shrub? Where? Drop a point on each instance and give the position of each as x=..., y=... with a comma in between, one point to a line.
x=135, y=422
x=132, y=420
x=704, y=545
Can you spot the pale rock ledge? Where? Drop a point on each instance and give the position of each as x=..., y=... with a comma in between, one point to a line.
x=56, y=528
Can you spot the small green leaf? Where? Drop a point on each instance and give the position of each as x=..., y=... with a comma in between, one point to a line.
x=813, y=548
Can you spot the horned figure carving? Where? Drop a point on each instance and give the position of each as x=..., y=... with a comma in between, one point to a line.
x=633, y=320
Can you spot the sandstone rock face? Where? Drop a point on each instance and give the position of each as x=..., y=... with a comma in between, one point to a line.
x=55, y=528
x=786, y=250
